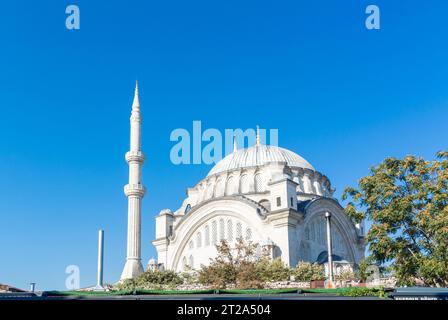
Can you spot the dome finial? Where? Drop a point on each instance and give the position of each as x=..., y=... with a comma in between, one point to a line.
x=258, y=136
x=235, y=147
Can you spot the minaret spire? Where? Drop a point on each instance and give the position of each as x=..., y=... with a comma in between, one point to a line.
x=235, y=146
x=258, y=136
x=134, y=191
x=136, y=102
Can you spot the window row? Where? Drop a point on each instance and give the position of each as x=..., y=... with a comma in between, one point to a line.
x=218, y=230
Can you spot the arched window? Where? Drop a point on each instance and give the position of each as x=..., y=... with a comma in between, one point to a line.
x=221, y=229
x=191, y=262
x=245, y=184
x=191, y=245
x=259, y=183
x=312, y=232
x=230, y=186
x=184, y=263
x=219, y=189
x=209, y=191
x=187, y=208
x=207, y=236
x=239, y=230
x=214, y=233
x=229, y=231
x=198, y=240
x=307, y=233
x=248, y=234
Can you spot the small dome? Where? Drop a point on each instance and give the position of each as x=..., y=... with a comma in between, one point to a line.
x=258, y=156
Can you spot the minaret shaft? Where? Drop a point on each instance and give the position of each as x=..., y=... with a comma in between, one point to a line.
x=135, y=191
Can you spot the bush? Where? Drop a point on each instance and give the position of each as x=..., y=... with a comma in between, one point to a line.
x=363, y=292
x=248, y=277
x=345, y=275
x=151, y=280
x=189, y=277
x=306, y=271
x=272, y=270
x=235, y=267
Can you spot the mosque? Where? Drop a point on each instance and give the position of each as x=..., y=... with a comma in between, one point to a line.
x=264, y=194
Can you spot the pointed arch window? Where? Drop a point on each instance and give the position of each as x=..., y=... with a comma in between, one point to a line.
x=214, y=233
x=239, y=230
x=206, y=235
x=259, y=183
x=248, y=234
x=198, y=240
x=229, y=231
x=221, y=229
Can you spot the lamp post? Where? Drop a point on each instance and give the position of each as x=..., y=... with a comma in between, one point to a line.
x=329, y=249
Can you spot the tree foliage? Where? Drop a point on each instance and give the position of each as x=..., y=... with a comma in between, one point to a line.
x=151, y=280
x=407, y=202
x=245, y=266
x=232, y=266
x=272, y=270
x=306, y=271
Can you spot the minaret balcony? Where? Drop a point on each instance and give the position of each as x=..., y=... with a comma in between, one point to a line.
x=135, y=156
x=134, y=190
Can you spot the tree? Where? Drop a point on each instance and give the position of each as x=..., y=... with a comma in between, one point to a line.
x=232, y=266
x=407, y=202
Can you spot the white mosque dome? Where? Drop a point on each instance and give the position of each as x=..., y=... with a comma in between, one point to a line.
x=259, y=155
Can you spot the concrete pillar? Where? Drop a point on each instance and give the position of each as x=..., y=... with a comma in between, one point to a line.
x=99, y=281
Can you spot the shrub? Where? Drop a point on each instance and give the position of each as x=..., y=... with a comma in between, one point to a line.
x=189, y=277
x=126, y=285
x=248, y=277
x=363, y=292
x=159, y=277
x=306, y=271
x=345, y=275
x=235, y=267
x=151, y=280
x=272, y=270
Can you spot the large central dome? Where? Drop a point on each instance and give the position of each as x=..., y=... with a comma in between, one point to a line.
x=259, y=156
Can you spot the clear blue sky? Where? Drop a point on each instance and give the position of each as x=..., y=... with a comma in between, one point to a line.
x=341, y=96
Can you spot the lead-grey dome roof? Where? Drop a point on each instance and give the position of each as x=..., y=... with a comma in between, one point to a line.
x=258, y=156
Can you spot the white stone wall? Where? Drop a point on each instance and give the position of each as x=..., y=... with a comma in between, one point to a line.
x=232, y=198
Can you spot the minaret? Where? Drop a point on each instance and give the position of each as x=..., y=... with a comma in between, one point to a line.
x=134, y=191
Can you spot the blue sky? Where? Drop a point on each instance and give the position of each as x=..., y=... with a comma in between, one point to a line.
x=343, y=97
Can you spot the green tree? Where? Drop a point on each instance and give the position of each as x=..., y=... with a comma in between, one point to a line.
x=407, y=202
